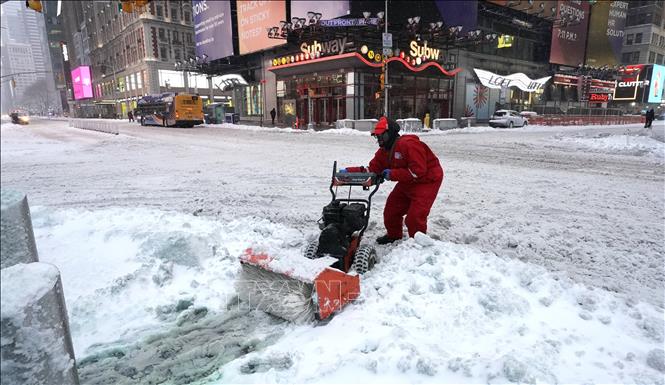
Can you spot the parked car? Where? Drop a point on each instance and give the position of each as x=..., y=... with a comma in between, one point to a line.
x=19, y=117
x=507, y=118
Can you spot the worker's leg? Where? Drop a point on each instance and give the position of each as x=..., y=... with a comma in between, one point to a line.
x=422, y=199
x=397, y=206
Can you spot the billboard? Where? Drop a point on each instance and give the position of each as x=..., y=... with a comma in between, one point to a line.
x=569, y=37
x=606, y=31
x=656, y=88
x=82, y=82
x=254, y=19
x=459, y=12
x=212, y=28
x=327, y=9
x=631, y=84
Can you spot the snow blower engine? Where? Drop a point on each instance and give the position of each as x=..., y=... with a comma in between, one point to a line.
x=316, y=286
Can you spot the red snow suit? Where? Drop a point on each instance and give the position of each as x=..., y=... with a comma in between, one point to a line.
x=418, y=174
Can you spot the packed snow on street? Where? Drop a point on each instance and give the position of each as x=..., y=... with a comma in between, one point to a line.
x=543, y=260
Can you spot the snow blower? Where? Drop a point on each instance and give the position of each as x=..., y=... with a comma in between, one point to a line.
x=317, y=283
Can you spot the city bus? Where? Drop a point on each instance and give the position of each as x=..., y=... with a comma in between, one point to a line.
x=170, y=110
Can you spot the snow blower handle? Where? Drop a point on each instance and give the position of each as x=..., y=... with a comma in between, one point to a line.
x=346, y=178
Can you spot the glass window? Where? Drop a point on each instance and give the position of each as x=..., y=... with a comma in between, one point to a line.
x=635, y=58
x=638, y=38
x=160, y=11
x=659, y=59
x=625, y=58
x=629, y=39
x=163, y=52
x=139, y=81
x=187, y=17
x=174, y=15
x=162, y=34
x=652, y=57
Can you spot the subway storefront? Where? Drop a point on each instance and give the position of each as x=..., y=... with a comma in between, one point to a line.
x=332, y=80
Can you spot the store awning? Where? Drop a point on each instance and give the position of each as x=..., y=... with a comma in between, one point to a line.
x=349, y=60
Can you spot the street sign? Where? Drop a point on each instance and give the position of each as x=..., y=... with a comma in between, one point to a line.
x=387, y=40
x=387, y=51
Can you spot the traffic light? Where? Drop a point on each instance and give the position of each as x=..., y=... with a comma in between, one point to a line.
x=127, y=6
x=34, y=4
x=382, y=81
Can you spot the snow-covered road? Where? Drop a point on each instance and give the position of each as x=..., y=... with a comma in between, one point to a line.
x=548, y=263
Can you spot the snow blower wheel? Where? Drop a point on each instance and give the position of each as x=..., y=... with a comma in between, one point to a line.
x=365, y=259
x=310, y=250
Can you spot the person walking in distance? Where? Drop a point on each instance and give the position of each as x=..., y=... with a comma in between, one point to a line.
x=130, y=116
x=650, y=116
x=273, y=113
x=418, y=173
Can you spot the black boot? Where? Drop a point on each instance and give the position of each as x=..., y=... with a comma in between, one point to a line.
x=385, y=239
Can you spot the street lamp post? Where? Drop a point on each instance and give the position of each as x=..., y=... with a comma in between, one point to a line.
x=385, y=66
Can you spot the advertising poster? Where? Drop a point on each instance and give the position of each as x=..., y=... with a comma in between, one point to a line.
x=631, y=84
x=327, y=9
x=656, y=88
x=606, y=31
x=459, y=12
x=481, y=102
x=82, y=82
x=569, y=39
x=212, y=28
x=254, y=19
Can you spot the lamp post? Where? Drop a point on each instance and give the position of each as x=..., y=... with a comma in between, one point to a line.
x=385, y=66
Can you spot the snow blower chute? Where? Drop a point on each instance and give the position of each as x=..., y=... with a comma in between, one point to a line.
x=320, y=282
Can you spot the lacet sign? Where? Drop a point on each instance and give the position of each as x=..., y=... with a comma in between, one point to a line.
x=519, y=80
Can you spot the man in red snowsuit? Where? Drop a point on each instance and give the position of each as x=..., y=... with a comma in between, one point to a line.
x=409, y=162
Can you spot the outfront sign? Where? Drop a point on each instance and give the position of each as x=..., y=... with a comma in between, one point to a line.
x=519, y=80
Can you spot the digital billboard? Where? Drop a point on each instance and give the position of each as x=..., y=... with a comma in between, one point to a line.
x=82, y=82
x=212, y=28
x=606, y=31
x=327, y=9
x=569, y=38
x=254, y=19
x=656, y=88
x=462, y=13
x=632, y=82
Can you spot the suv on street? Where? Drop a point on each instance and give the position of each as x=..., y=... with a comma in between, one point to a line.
x=507, y=118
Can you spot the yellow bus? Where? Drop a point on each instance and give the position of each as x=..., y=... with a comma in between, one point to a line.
x=170, y=110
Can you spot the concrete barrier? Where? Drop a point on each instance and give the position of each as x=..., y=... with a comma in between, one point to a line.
x=444, y=124
x=109, y=127
x=36, y=346
x=364, y=124
x=410, y=124
x=17, y=241
x=344, y=123
x=467, y=121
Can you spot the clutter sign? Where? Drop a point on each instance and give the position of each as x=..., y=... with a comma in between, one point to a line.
x=519, y=80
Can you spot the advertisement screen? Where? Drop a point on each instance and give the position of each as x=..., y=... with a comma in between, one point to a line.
x=254, y=19
x=459, y=13
x=631, y=83
x=606, y=31
x=327, y=9
x=82, y=82
x=569, y=39
x=656, y=89
x=212, y=28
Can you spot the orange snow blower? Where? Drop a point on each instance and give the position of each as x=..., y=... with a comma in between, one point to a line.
x=315, y=285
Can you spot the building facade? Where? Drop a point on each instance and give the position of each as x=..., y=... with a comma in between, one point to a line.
x=644, y=41
x=26, y=61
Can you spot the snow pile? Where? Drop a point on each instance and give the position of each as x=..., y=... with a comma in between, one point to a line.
x=438, y=312
x=621, y=144
x=151, y=298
